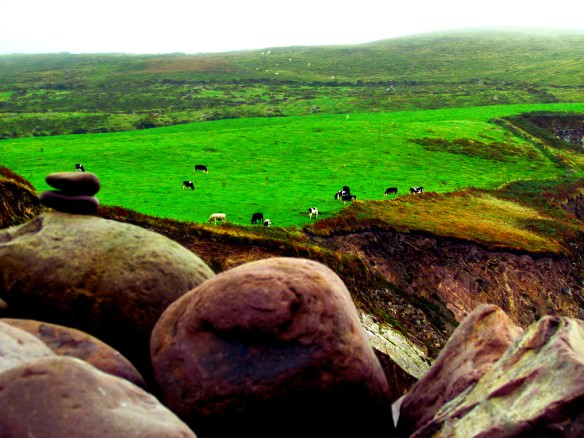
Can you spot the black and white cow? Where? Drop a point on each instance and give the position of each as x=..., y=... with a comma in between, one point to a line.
x=188, y=185
x=343, y=192
x=79, y=167
x=416, y=189
x=312, y=211
x=257, y=218
x=201, y=168
x=390, y=190
x=267, y=223
x=349, y=198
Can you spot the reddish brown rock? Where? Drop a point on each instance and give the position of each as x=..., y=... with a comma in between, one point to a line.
x=479, y=341
x=67, y=341
x=74, y=204
x=74, y=183
x=18, y=347
x=270, y=348
x=65, y=397
x=536, y=389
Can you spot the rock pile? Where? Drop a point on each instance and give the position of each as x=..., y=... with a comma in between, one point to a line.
x=75, y=192
x=96, y=313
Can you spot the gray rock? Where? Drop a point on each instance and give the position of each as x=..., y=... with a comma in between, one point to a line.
x=109, y=279
x=476, y=344
x=18, y=347
x=65, y=397
x=535, y=389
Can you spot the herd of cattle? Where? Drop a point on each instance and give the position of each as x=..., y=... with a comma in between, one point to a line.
x=343, y=194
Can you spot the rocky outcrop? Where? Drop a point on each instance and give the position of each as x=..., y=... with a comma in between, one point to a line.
x=443, y=279
x=270, y=348
x=109, y=279
x=534, y=389
x=57, y=397
x=67, y=341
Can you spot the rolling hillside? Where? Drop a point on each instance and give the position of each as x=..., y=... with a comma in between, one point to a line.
x=66, y=93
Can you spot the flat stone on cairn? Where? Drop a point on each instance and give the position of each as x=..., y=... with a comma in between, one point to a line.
x=75, y=192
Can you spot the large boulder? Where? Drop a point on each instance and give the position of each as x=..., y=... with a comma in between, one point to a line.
x=106, y=278
x=476, y=344
x=67, y=341
x=270, y=348
x=535, y=389
x=61, y=396
x=18, y=346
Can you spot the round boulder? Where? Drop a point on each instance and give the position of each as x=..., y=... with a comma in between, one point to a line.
x=270, y=348
x=67, y=341
x=66, y=397
x=106, y=278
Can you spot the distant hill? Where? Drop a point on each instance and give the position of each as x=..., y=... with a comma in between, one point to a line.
x=536, y=56
x=115, y=92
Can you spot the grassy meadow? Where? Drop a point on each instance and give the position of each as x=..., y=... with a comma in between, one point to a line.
x=282, y=166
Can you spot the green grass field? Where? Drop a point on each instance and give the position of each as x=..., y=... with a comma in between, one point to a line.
x=283, y=166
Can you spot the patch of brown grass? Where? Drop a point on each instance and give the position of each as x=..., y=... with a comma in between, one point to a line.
x=479, y=216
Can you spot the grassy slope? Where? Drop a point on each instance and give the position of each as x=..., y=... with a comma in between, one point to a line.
x=283, y=166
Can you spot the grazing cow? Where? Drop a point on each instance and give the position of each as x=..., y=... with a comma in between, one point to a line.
x=267, y=223
x=350, y=198
x=416, y=189
x=390, y=190
x=222, y=217
x=201, y=168
x=312, y=211
x=343, y=192
x=188, y=185
x=79, y=167
x=257, y=218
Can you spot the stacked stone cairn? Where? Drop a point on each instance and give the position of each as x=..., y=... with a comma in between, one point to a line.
x=75, y=192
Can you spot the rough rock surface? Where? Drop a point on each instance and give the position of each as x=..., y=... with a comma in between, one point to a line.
x=455, y=277
x=65, y=397
x=17, y=347
x=535, y=389
x=473, y=348
x=109, y=279
x=67, y=341
x=270, y=348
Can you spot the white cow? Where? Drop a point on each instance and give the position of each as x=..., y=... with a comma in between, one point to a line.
x=312, y=211
x=267, y=223
x=222, y=217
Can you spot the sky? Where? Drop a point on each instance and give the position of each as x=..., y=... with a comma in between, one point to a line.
x=207, y=26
